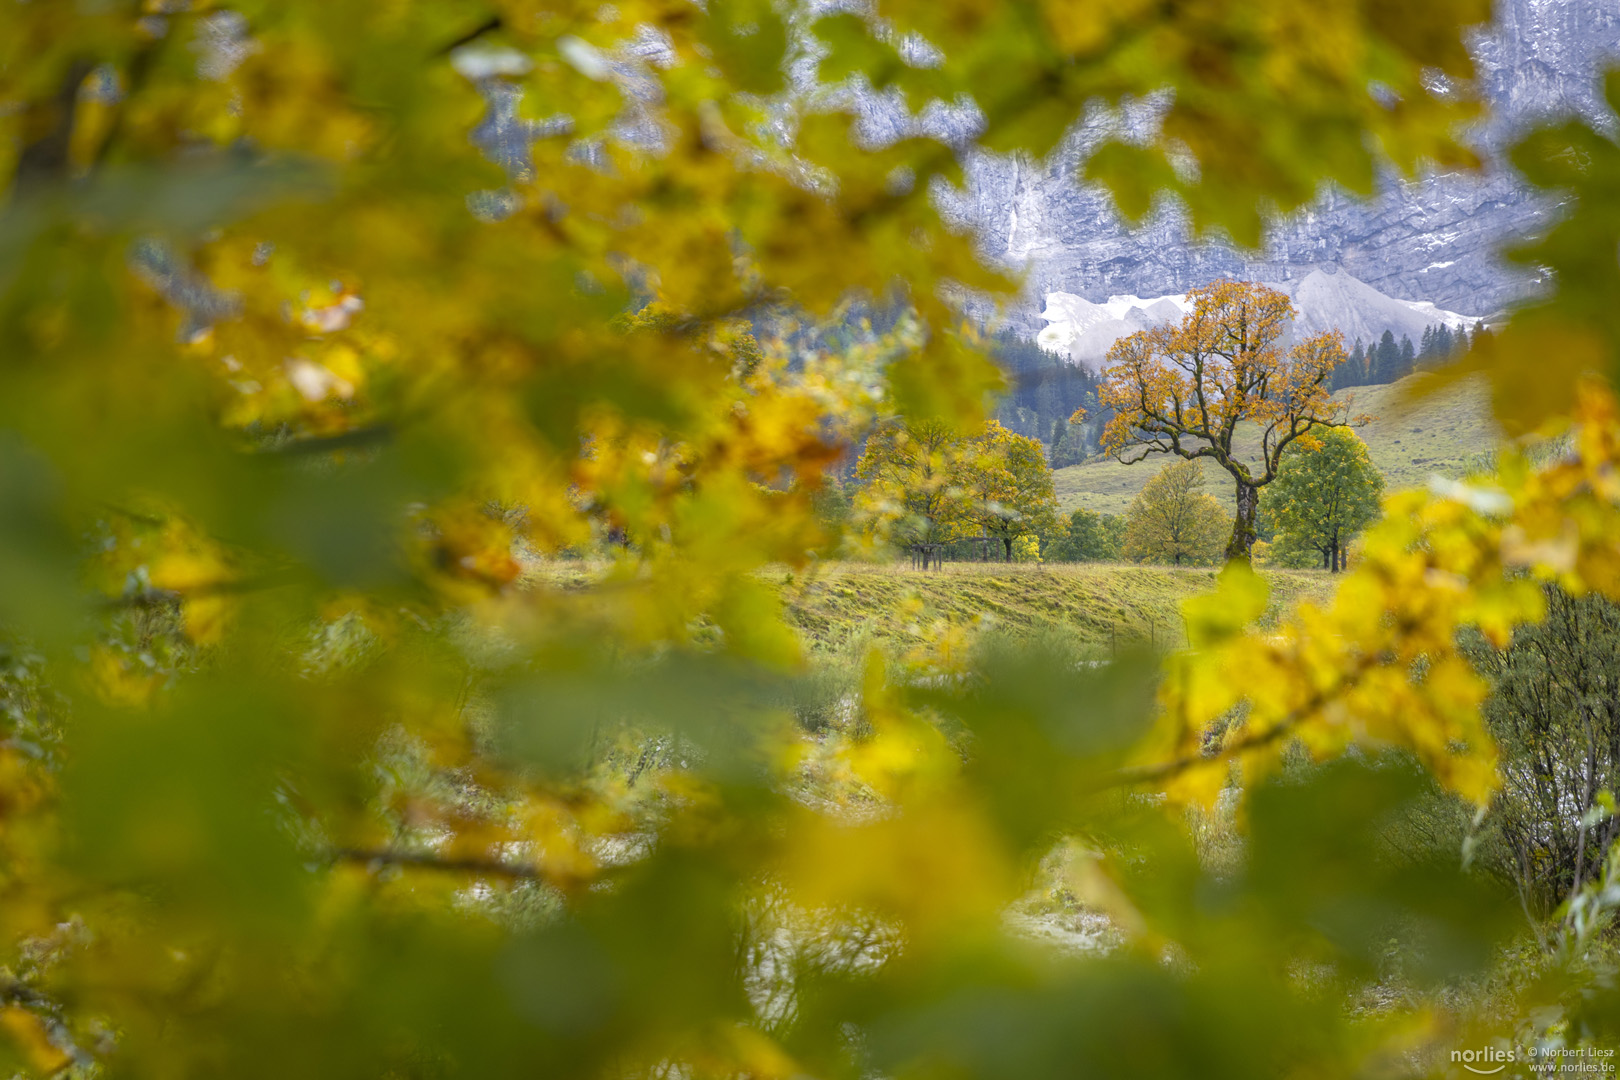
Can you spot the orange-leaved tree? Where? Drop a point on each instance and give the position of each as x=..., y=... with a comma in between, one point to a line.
x=1221, y=384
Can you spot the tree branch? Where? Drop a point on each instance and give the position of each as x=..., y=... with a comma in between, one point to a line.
x=1149, y=774
x=422, y=860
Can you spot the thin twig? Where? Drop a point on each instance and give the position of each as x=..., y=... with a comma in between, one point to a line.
x=325, y=444
x=426, y=861
x=1147, y=774
x=154, y=598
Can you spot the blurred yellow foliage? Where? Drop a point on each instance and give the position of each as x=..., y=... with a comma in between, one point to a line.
x=396, y=402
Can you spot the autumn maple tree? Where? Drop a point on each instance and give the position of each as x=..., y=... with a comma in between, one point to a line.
x=913, y=476
x=927, y=484
x=1222, y=384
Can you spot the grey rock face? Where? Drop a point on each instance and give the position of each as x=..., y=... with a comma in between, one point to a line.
x=1435, y=239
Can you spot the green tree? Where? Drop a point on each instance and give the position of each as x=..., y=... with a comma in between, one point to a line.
x=1324, y=495
x=914, y=485
x=1088, y=536
x=1555, y=712
x=1070, y=447
x=834, y=508
x=1172, y=520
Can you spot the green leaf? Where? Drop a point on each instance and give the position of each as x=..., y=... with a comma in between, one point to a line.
x=1239, y=599
x=748, y=39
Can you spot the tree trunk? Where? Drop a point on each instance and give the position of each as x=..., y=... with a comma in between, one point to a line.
x=1243, y=530
x=1006, y=542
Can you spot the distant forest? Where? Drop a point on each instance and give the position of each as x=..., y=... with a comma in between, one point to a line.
x=1046, y=390
x=1387, y=360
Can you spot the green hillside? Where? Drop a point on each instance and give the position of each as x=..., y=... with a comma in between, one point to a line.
x=840, y=605
x=1409, y=440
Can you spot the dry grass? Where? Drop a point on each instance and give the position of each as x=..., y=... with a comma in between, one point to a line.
x=1096, y=603
x=842, y=608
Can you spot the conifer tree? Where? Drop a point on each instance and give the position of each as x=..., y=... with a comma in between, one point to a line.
x=1385, y=362
x=1349, y=373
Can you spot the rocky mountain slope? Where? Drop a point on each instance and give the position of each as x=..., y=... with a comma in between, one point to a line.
x=1433, y=239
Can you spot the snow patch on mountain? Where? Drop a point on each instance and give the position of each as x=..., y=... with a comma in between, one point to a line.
x=1325, y=300
x=1083, y=331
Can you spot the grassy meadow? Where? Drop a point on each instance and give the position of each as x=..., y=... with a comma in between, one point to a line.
x=840, y=607
x=1410, y=438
